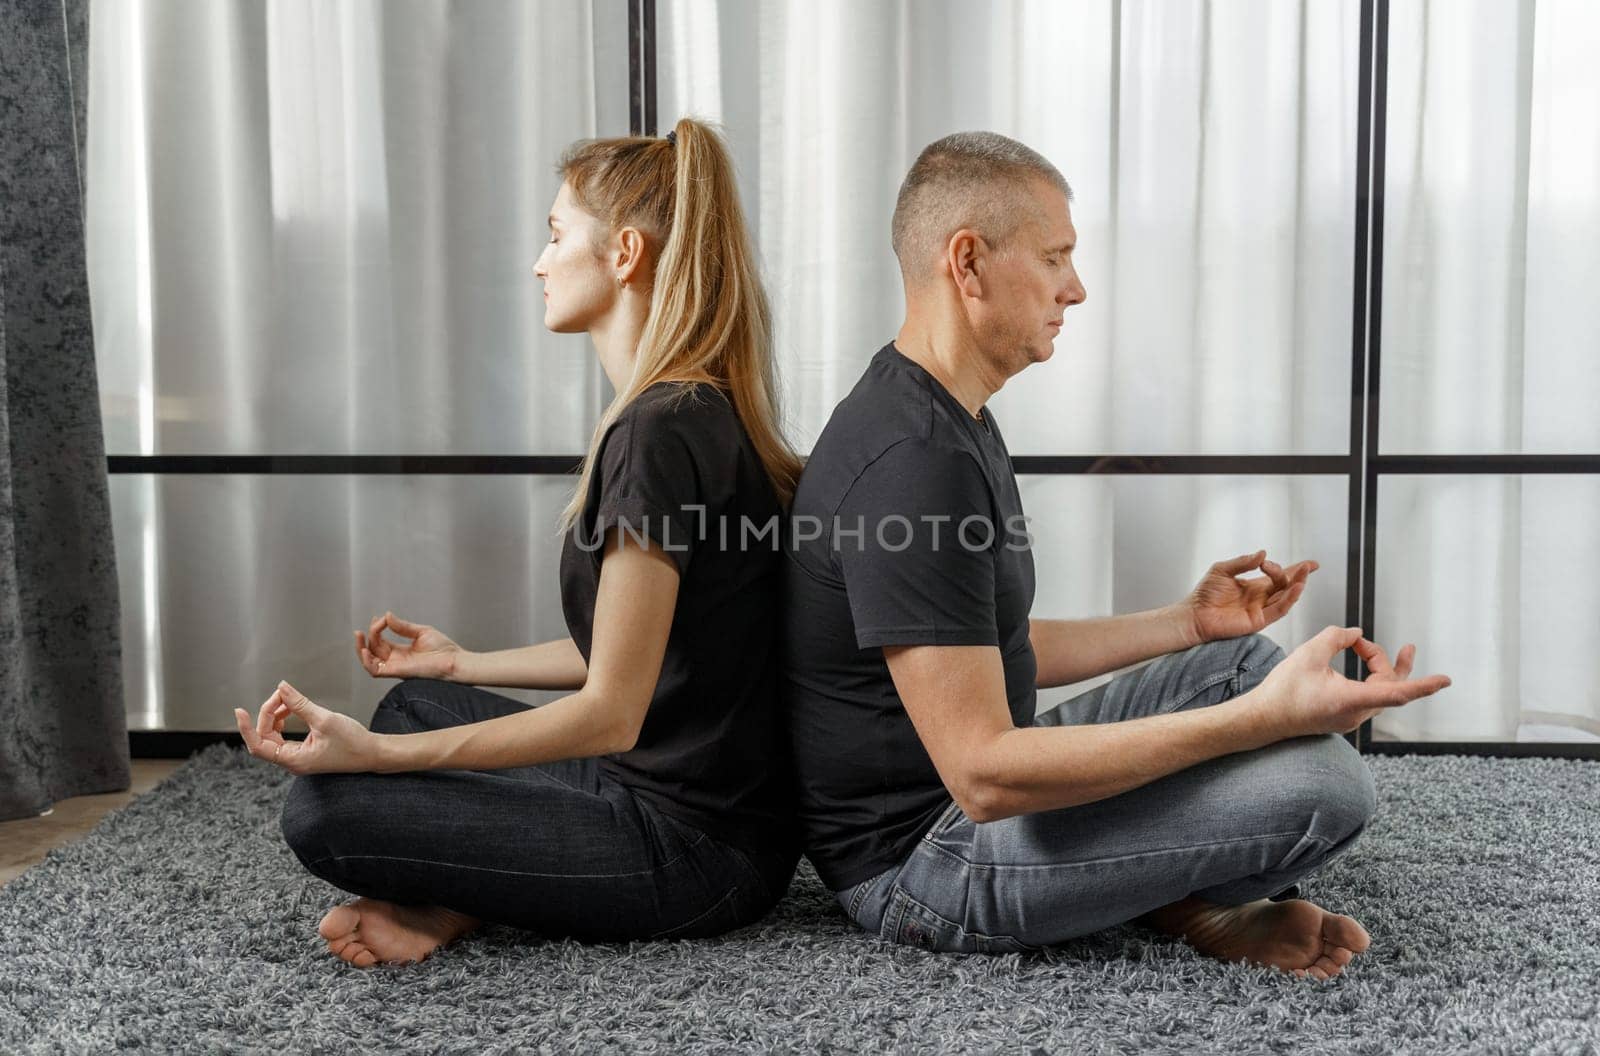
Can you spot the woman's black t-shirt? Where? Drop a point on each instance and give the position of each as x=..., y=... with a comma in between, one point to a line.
x=678, y=468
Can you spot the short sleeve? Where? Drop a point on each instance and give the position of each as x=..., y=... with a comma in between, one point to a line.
x=914, y=541
x=651, y=485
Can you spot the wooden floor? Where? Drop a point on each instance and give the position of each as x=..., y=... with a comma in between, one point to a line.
x=23, y=843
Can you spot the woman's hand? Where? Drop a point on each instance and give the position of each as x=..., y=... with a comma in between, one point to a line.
x=1302, y=695
x=337, y=743
x=1224, y=607
x=430, y=654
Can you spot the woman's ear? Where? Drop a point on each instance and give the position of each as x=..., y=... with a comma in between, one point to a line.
x=628, y=260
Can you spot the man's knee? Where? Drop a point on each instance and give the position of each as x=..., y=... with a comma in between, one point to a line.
x=1252, y=655
x=1330, y=786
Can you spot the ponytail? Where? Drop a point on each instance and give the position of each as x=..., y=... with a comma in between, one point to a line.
x=709, y=317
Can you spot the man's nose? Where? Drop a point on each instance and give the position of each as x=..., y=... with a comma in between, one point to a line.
x=1073, y=292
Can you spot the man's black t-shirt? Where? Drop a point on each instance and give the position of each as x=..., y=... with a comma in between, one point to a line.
x=907, y=529
x=679, y=468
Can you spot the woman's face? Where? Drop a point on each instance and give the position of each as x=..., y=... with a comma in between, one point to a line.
x=578, y=285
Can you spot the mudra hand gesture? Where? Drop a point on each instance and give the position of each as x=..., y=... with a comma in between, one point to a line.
x=1224, y=606
x=336, y=744
x=431, y=653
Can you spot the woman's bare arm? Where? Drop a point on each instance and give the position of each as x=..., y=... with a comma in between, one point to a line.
x=548, y=665
x=633, y=612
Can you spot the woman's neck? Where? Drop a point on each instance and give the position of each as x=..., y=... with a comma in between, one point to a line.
x=616, y=337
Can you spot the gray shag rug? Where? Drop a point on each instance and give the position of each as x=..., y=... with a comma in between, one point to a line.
x=183, y=924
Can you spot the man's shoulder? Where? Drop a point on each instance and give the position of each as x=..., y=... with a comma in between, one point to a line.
x=882, y=449
x=881, y=413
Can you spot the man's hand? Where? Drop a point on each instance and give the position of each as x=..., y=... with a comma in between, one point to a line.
x=1303, y=696
x=1223, y=606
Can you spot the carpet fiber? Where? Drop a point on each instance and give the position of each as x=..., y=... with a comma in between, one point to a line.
x=183, y=923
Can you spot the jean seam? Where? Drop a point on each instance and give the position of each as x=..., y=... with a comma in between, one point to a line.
x=1024, y=866
x=911, y=900
x=509, y=872
x=442, y=707
x=752, y=870
x=895, y=913
x=667, y=933
x=860, y=894
x=1182, y=699
x=939, y=822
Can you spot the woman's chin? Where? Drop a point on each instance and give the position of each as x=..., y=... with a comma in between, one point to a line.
x=557, y=325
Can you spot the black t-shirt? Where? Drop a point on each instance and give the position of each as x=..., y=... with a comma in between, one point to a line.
x=679, y=468
x=907, y=529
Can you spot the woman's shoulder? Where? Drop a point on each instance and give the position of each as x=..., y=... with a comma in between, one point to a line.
x=689, y=408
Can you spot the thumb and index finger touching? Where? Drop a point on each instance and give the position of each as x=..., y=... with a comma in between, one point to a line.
x=1333, y=640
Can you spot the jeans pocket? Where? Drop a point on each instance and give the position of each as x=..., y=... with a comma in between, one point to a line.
x=947, y=817
x=721, y=916
x=910, y=923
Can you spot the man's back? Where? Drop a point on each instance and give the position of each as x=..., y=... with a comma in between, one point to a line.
x=930, y=550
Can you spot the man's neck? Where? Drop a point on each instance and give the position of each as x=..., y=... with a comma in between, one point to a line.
x=955, y=364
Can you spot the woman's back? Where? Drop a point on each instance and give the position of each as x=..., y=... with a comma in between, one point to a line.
x=679, y=469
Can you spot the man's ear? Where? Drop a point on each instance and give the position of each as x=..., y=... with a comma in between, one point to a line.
x=965, y=255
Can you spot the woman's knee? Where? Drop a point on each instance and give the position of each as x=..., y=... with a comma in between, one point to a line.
x=303, y=818
x=396, y=712
x=320, y=813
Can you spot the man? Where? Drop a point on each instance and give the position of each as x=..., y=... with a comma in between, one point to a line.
x=937, y=807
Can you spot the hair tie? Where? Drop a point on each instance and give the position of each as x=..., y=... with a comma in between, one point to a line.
x=672, y=138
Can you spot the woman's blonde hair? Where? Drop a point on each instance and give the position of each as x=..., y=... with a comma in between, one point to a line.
x=709, y=318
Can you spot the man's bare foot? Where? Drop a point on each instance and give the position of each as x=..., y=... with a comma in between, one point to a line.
x=1295, y=935
x=368, y=931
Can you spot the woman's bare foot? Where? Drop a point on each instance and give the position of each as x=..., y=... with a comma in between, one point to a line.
x=1295, y=935
x=368, y=931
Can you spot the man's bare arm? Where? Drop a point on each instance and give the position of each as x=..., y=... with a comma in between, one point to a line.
x=956, y=698
x=1069, y=651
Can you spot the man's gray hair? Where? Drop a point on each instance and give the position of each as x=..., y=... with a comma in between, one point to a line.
x=976, y=180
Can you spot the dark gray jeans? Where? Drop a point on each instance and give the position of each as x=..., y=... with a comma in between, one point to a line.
x=1230, y=830
x=559, y=849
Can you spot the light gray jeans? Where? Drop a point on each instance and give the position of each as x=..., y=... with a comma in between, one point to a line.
x=1231, y=830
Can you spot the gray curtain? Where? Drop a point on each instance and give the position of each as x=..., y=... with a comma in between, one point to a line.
x=62, y=727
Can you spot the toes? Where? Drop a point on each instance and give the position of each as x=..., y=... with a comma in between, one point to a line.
x=338, y=945
x=359, y=955
x=339, y=921
x=1327, y=966
x=1341, y=930
x=1339, y=955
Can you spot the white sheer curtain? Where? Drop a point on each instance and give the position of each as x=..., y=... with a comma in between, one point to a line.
x=312, y=229
x=1211, y=147
x=1491, y=260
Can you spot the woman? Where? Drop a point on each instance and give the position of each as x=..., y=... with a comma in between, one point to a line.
x=651, y=802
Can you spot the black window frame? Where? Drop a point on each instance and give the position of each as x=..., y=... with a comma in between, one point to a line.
x=1362, y=465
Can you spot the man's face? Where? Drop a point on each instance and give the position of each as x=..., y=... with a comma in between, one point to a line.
x=1031, y=283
